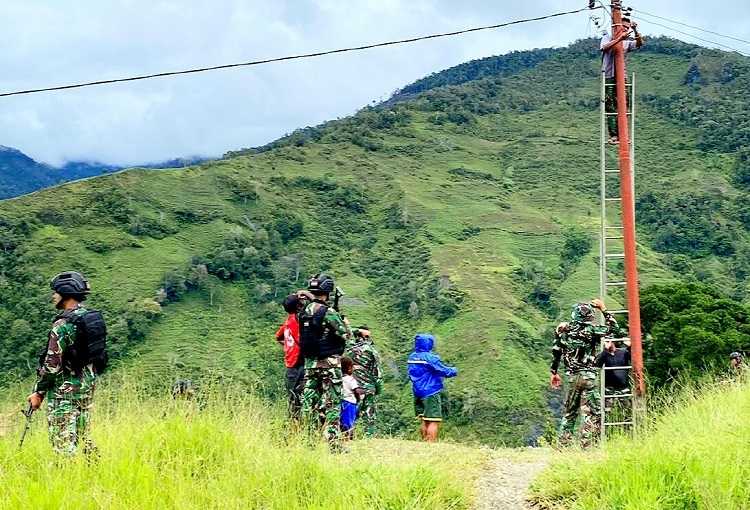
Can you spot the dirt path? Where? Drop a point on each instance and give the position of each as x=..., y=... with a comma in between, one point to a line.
x=506, y=479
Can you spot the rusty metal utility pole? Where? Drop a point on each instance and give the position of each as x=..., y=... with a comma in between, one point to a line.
x=628, y=205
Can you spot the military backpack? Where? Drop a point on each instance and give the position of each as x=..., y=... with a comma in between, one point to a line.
x=90, y=343
x=317, y=339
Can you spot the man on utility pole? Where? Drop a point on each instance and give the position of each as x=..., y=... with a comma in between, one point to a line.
x=620, y=29
x=607, y=46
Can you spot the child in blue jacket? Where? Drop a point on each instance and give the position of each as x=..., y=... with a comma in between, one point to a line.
x=427, y=372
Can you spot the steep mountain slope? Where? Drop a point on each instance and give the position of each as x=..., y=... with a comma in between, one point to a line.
x=468, y=210
x=20, y=174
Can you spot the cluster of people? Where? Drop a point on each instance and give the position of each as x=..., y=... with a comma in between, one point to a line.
x=577, y=344
x=333, y=371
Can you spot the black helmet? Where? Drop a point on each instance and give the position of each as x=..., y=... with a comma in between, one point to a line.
x=735, y=355
x=321, y=284
x=70, y=283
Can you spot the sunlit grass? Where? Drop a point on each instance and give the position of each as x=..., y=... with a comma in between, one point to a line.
x=693, y=456
x=224, y=452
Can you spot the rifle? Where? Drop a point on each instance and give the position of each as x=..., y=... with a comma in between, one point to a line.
x=337, y=295
x=28, y=413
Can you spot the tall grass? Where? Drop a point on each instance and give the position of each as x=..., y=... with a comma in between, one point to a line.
x=694, y=455
x=225, y=452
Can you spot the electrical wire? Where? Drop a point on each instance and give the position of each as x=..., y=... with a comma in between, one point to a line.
x=692, y=26
x=695, y=36
x=289, y=57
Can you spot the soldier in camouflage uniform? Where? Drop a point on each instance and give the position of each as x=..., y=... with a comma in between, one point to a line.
x=367, y=373
x=69, y=391
x=577, y=344
x=324, y=334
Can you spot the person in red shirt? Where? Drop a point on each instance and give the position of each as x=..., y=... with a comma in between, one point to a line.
x=288, y=336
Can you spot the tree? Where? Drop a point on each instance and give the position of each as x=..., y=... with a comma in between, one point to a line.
x=691, y=328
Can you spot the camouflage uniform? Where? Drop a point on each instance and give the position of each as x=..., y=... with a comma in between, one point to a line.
x=69, y=395
x=321, y=398
x=367, y=373
x=577, y=343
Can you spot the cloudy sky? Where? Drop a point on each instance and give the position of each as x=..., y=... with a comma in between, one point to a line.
x=49, y=42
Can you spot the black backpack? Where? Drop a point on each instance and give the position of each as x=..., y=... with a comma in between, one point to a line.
x=90, y=343
x=317, y=339
x=311, y=331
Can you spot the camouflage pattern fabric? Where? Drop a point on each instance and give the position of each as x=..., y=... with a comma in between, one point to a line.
x=582, y=400
x=69, y=422
x=577, y=344
x=367, y=413
x=367, y=372
x=333, y=321
x=321, y=398
x=69, y=395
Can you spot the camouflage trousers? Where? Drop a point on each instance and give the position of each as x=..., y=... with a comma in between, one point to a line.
x=69, y=420
x=582, y=401
x=367, y=413
x=610, y=105
x=321, y=398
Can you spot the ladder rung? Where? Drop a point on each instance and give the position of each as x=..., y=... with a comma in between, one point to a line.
x=611, y=171
x=610, y=114
x=614, y=237
x=615, y=255
x=622, y=395
x=627, y=84
x=617, y=368
x=610, y=424
x=613, y=199
x=618, y=311
x=619, y=227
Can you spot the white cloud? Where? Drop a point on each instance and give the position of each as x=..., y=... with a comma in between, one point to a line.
x=50, y=42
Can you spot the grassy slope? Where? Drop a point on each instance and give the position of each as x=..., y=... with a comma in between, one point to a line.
x=549, y=159
x=693, y=456
x=156, y=455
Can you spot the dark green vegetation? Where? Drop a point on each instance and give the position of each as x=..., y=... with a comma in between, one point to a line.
x=691, y=454
x=19, y=174
x=693, y=328
x=468, y=206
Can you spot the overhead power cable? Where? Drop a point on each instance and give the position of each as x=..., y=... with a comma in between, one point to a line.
x=692, y=26
x=695, y=36
x=289, y=57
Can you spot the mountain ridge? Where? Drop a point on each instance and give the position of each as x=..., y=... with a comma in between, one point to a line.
x=422, y=209
x=20, y=174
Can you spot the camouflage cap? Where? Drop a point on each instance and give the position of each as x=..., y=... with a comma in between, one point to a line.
x=582, y=312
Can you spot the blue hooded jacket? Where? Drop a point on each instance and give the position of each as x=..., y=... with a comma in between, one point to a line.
x=426, y=370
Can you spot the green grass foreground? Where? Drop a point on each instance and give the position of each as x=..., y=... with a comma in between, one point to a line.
x=695, y=456
x=227, y=454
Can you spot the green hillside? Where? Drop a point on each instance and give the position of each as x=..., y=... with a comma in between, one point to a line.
x=693, y=454
x=467, y=206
